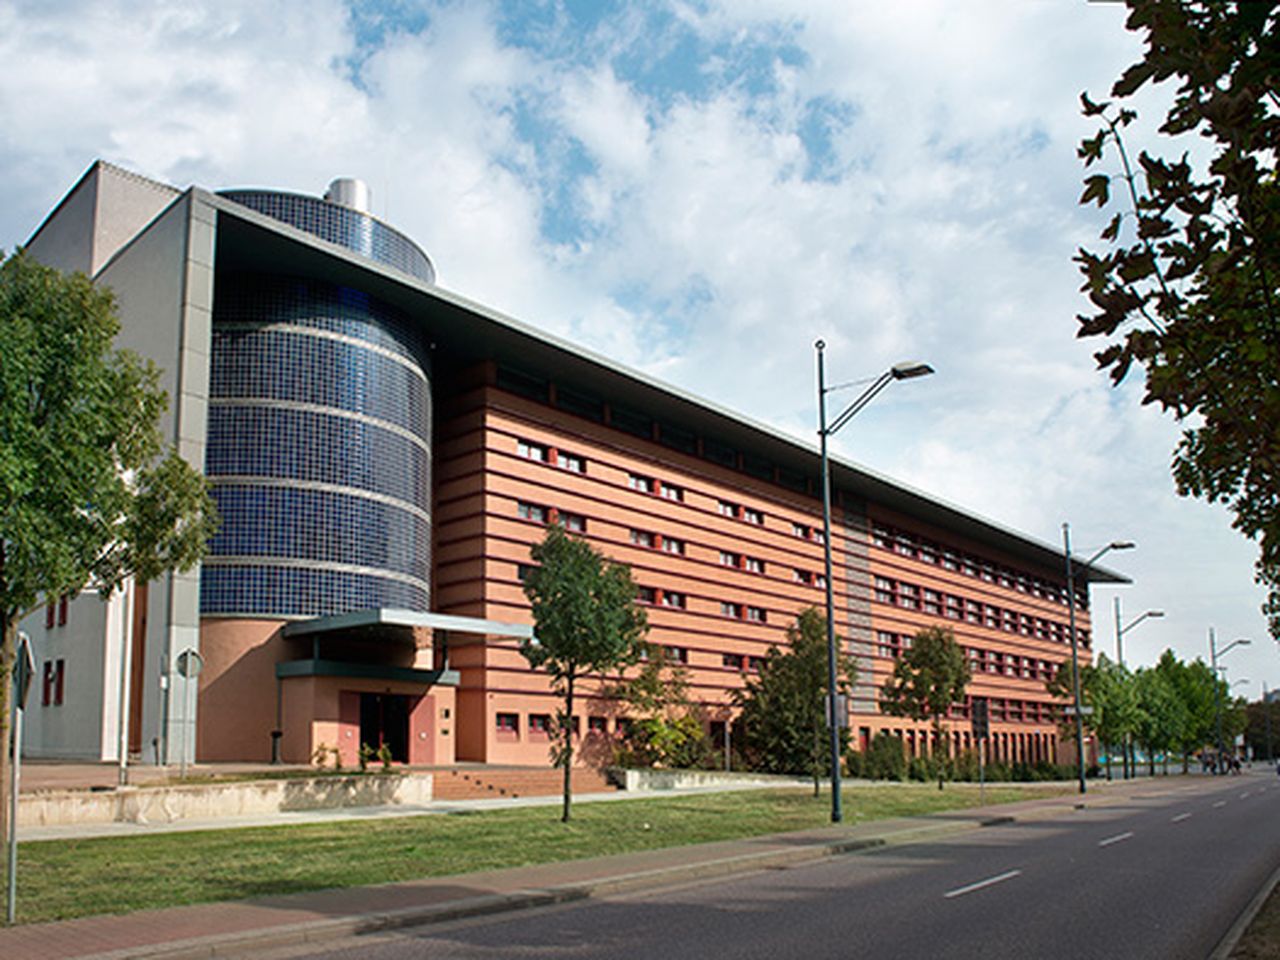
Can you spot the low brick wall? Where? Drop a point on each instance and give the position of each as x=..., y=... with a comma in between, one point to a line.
x=165, y=804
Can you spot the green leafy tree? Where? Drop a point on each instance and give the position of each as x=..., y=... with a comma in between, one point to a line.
x=1113, y=695
x=1162, y=714
x=1263, y=728
x=783, y=709
x=585, y=621
x=1186, y=285
x=89, y=492
x=668, y=729
x=1197, y=690
x=926, y=681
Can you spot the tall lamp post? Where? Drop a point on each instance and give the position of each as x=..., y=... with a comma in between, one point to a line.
x=1214, y=654
x=1121, y=630
x=899, y=371
x=1075, y=641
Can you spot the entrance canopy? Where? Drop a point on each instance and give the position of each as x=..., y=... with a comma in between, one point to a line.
x=366, y=635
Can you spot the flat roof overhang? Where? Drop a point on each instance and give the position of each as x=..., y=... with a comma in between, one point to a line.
x=316, y=667
x=247, y=240
x=403, y=622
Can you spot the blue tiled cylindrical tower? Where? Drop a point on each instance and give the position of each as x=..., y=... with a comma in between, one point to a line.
x=319, y=448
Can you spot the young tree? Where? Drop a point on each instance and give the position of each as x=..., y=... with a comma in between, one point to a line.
x=88, y=490
x=668, y=729
x=1113, y=695
x=585, y=622
x=784, y=714
x=1187, y=282
x=926, y=681
x=1162, y=716
x=1197, y=690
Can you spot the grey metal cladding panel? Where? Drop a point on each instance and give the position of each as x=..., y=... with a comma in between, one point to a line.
x=148, y=277
x=856, y=531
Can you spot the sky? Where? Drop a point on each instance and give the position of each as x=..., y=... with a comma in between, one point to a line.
x=700, y=190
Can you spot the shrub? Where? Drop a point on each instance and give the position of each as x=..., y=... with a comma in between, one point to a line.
x=885, y=759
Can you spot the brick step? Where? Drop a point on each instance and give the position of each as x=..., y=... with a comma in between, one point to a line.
x=480, y=783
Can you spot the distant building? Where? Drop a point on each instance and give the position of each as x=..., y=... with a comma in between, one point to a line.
x=384, y=452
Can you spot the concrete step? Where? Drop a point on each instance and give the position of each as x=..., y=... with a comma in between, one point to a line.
x=479, y=783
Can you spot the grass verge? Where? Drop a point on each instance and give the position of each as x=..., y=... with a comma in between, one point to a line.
x=72, y=878
x=1262, y=940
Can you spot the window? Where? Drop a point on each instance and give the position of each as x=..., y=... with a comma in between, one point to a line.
x=728, y=559
x=753, y=516
x=734, y=661
x=646, y=595
x=728, y=509
x=801, y=530
x=753, y=564
x=954, y=608
x=676, y=654
x=571, y=462
x=54, y=673
x=932, y=602
x=531, y=511
x=756, y=614
x=50, y=611
x=523, y=570
x=672, y=599
x=886, y=590
x=639, y=483
x=670, y=491
x=575, y=522
x=540, y=725
x=507, y=723
x=597, y=725
x=62, y=611
x=731, y=610
x=820, y=580
x=972, y=611
x=754, y=664
x=642, y=538
x=908, y=596
x=889, y=644
x=672, y=545
x=802, y=576
x=531, y=451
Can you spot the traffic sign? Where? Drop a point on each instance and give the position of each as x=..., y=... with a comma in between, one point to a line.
x=24, y=668
x=1084, y=711
x=979, y=716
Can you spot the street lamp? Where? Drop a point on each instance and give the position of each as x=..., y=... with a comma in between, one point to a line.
x=1214, y=654
x=1121, y=630
x=1075, y=641
x=899, y=371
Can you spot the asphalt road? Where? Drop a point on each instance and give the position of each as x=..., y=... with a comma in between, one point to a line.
x=1162, y=877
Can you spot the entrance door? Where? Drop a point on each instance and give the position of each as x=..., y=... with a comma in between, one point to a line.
x=384, y=718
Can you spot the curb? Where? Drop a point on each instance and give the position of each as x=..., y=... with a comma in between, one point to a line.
x=321, y=931
x=1232, y=937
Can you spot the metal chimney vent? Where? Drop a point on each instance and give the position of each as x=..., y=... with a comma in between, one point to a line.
x=349, y=192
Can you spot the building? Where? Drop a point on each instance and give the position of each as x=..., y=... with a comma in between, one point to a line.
x=384, y=452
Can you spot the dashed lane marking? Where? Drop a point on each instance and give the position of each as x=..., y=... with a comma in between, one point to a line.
x=1221, y=803
x=1180, y=817
x=990, y=881
x=1116, y=839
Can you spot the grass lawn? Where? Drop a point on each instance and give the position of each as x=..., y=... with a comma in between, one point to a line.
x=72, y=878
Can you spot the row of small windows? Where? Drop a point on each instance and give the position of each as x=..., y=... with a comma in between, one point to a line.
x=935, y=603
x=582, y=403
x=918, y=548
x=542, y=514
x=545, y=454
x=649, y=540
x=660, y=488
x=301, y=591
x=892, y=645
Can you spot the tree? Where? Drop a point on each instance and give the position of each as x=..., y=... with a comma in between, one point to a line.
x=668, y=729
x=1197, y=690
x=1162, y=715
x=89, y=492
x=926, y=681
x=1186, y=285
x=1112, y=694
x=784, y=715
x=585, y=621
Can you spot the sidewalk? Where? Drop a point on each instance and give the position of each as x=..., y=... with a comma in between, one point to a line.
x=220, y=928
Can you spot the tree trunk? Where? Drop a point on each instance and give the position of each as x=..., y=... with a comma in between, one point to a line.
x=940, y=749
x=567, y=750
x=8, y=648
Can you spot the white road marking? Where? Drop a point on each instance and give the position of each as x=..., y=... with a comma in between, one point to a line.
x=1243, y=795
x=1221, y=803
x=1180, y=817
x=1116, y=839
x=961, y=891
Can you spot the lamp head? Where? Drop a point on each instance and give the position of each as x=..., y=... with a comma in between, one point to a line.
x=1155, y=613
x=1121, y=545
x=910, y=369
